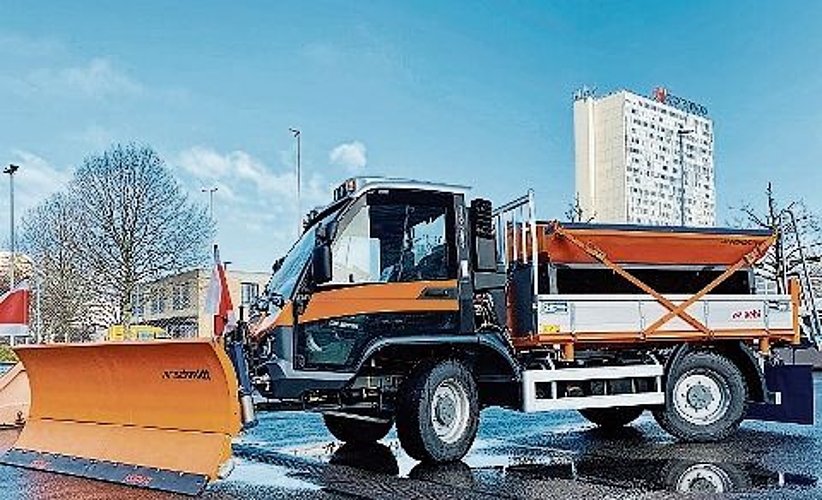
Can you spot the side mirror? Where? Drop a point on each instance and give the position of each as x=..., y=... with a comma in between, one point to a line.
x=326, y=232
x=321, y=264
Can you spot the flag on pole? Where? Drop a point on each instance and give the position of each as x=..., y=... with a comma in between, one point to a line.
x=218, y=300
x=14, y=311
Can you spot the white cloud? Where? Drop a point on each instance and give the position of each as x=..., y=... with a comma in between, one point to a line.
x=36, y=180
x=235, y=169
x=94, y=137
x=254, y=205
x=98, y=78
x=350, y=155
x=14, y=45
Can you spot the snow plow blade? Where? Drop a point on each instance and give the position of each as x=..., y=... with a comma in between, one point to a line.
x=14, y=397
x=157, y=415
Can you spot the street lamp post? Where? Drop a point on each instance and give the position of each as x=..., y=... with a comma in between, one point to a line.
x=210, y=192
x=681, y=133
x=11, y=169
x=297, y=133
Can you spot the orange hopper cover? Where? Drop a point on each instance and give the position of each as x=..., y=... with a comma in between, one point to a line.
x=625, y=244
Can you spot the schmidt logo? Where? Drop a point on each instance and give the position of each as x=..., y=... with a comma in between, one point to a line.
x=202, y=374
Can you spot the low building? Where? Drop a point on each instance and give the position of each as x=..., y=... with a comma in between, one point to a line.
x=177, y=303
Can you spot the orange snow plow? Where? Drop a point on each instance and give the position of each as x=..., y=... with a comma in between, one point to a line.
x=14, y=396
x=157, y=415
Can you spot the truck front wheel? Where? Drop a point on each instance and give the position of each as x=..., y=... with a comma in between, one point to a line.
x=437, y=412
x=705, y=398
x=353, y=430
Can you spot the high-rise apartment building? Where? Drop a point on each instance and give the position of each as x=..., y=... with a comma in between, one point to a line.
x=630, y=152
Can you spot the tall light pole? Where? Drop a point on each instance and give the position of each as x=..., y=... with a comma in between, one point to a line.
x=11, y=169
x=296, y=133
x=681, y=133
x=210, y=192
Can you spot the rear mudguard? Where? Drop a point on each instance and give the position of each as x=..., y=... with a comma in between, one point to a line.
x=792, y=386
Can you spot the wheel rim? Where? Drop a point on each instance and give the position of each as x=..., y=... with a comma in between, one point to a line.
x=449, y=411
x=703, y=478
x=699, y=399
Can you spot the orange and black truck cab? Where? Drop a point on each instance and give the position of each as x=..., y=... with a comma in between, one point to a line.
x=389, y=274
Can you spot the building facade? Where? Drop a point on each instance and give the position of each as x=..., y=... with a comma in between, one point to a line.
x=177, y=303
x=630, y=151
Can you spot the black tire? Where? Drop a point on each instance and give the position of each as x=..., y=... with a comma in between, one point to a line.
x=705, y=398
x=352, y=430
x=612, y=418
x=447, y=433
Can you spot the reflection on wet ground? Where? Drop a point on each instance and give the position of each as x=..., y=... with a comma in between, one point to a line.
x=516, y=456
x=651, y=467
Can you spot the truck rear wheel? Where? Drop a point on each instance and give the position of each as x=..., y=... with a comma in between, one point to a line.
x=352, y=430
x=438, y=412
x=612, y=418
x=705, y=398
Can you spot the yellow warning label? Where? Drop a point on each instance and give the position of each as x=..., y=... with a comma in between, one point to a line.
x=548, y=328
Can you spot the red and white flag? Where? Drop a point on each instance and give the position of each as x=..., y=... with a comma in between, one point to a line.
x=218, y=300
x=14, y=311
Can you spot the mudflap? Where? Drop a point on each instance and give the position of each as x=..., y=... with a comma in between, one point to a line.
x=792, y=388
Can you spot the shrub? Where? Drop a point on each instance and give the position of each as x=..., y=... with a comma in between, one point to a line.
x=7, y=355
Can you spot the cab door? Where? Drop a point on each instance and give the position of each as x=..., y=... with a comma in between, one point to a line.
x=394, y=273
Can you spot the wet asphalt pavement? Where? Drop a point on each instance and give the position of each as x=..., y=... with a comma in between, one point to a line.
x=553, y=455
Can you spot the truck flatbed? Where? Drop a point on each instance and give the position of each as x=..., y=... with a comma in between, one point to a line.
x=625, y=318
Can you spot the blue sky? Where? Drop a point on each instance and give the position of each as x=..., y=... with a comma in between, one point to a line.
x=477, y=93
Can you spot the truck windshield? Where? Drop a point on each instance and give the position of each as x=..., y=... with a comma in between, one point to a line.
x=284, y=280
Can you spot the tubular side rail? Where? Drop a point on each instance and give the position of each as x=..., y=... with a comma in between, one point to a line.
x=515, y=225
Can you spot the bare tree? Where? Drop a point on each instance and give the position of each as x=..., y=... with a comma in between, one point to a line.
x=575, y=212
x=136, y=222
x=123, y=221
x=52, y=238
x=783, y=258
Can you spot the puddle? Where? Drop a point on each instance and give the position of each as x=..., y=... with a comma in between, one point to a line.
x=262, y=474
x=683, y=476
x=496, y=463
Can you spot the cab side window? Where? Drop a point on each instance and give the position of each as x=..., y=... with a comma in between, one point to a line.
x=393, y=242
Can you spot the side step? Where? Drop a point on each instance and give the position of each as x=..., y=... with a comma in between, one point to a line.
x=596, y=387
